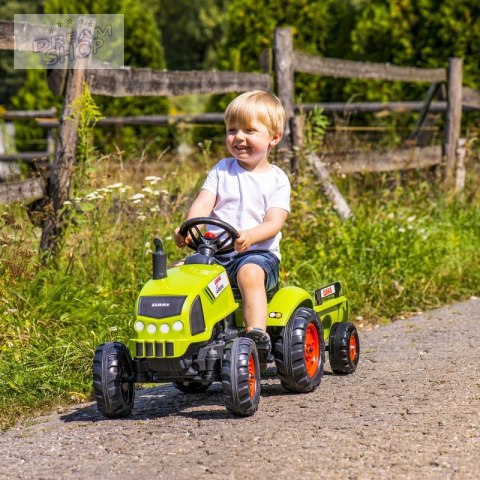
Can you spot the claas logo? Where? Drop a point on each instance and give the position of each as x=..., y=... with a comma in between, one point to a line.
x=330, y=290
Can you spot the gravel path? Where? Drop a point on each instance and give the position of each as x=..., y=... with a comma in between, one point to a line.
x=412, y=410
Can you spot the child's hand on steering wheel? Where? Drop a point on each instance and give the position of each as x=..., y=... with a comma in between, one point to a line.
x=180, y=240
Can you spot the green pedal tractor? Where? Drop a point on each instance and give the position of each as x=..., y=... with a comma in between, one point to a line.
x=189, y=330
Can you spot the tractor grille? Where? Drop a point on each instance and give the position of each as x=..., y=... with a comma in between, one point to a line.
x=154, y=349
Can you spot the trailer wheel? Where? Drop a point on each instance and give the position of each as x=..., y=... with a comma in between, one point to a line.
x=113, y=382
x=344, y=348
x=241, y=377
x=299, y=352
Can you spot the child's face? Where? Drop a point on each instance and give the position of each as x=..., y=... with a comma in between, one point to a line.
x=251, y=145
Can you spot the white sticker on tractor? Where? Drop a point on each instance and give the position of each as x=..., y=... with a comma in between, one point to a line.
x=325, y=292
x=218, y=285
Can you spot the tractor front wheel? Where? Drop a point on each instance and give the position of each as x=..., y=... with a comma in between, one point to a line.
x=241, y=377
x=344, y=348
x=300, y=352
x=113, y=382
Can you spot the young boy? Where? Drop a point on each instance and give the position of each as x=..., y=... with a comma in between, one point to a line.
x=253, y=196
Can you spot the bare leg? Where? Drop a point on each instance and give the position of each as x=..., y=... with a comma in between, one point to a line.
x=251, y=281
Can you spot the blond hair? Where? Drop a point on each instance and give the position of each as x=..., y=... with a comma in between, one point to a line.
x=256, y=105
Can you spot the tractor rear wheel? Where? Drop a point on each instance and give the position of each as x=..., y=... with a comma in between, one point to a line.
x=344, y=348
x=241, y=377
x=299, y=352
x=113, y=382
x=192, y=386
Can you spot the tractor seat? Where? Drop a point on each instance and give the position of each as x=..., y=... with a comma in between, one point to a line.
x=238, y=296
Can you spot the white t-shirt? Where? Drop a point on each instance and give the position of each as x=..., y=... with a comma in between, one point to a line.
x=244, y=197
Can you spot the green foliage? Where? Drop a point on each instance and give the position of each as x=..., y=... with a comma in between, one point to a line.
x=408, y=249
x=87, y=112
x=143, y=48
x=316, y=123
x=11, y=78
x=417, y=33
x=191, y=31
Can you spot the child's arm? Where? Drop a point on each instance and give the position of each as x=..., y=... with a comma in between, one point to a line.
x=271, y=225
x=201, y=207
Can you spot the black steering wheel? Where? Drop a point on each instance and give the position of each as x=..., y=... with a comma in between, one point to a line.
x=222, y=243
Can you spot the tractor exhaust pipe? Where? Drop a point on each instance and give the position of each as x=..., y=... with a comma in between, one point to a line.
x=159, y=259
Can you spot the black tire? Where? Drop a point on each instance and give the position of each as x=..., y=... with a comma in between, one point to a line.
x=113, y=382
x=299, y=352
x=241, y=377
x=191, y=387
x=344, y=348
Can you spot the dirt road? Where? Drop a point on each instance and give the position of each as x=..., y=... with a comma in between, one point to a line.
x=412, y=410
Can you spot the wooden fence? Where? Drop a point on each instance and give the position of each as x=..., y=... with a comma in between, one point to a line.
x=286, y=62
x=289, y=61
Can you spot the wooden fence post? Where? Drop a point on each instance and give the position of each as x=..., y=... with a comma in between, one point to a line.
x=453, y=117
x=58, y=189
x=283, y=65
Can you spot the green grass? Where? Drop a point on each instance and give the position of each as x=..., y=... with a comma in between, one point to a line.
x=409, y=248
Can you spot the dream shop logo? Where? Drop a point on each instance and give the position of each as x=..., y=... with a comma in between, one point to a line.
x=53, y=41
x=62, y=48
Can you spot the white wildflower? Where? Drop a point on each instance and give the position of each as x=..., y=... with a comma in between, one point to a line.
x=141, y=217
x=411, y=218
x=401, y=230
x=93, y=196
x=391, y=216
x=152, y=179
x=147, y=190
x=137, y=196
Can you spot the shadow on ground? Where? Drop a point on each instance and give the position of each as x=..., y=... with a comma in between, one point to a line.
x=166, y=400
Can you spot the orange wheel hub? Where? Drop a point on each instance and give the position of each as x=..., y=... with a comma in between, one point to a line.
x=312, y=350
x=252, y=377
x=353, y=348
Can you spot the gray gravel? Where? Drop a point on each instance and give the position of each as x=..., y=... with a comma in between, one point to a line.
x=412, y=410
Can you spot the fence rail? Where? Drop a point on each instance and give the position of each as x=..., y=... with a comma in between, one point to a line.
x=26, y=190
x=338, y=68
x=136, y=82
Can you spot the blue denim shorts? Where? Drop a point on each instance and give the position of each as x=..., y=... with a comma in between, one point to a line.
x=263, y=258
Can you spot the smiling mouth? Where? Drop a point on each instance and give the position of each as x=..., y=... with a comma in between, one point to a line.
x=241, y=148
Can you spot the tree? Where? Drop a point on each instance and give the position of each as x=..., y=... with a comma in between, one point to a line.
x=11, y=78
x=191, y=32
x=320, y=27
x=143, y=48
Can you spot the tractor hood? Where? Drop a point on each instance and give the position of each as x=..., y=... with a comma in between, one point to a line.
x=182, y=308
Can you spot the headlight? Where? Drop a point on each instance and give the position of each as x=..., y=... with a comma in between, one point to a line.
x=139, y=326
x=164, y=328
x=178, y=326
x=151, y=328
